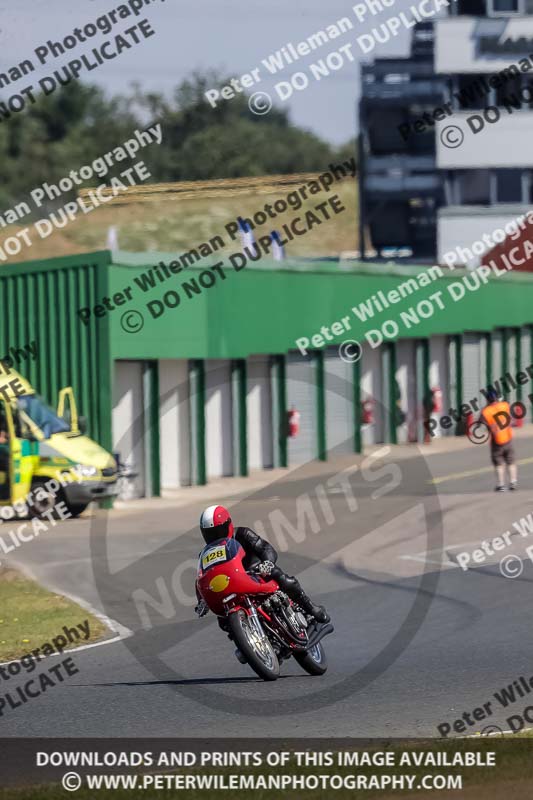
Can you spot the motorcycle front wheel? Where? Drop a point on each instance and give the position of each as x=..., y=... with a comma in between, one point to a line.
x=313, y=660
x=256, y=648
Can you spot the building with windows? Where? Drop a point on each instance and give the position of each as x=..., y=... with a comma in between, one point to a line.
x=465, y=100
x=398, y=177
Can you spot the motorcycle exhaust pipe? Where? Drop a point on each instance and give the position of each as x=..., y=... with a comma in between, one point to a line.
x=300, y=646
x=318, y=635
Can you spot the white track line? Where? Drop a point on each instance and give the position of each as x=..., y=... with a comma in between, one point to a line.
x=493, y=733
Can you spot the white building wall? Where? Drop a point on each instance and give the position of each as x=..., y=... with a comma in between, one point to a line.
x=457, y=42
x=174, y=423
x=501, y=144
x=457, y=231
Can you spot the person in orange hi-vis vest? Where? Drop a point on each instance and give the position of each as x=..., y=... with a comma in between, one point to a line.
x=497, y=417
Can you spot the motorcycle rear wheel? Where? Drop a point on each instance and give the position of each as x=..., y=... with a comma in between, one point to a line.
x=313, y=661
x=259, y=653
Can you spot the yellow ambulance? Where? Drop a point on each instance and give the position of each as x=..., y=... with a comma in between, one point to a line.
x=45, y=457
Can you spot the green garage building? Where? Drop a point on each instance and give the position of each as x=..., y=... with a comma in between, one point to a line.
x=189, y=371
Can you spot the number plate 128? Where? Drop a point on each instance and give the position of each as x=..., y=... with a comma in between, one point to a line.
x=213, y=556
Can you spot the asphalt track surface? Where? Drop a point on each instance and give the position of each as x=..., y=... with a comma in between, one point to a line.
x=470, y=633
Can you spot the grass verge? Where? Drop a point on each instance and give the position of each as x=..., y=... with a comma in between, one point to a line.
x=31, y=616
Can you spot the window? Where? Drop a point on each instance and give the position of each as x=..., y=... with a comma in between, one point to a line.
x=41, y=415
x=508, y=186
x=503, y=7
x=470, y=91
x=509, y=91
x=473, y=8
x=474, y=187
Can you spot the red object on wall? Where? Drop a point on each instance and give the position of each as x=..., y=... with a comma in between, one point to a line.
x=293, y=420
x=367, y=415
x=436, y=399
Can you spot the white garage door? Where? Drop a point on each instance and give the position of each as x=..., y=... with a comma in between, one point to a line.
x=406, y=383
x=372, y=393
x=525, y=361
x=174, y=423
x=453, y=358
x=497, y=357
x=512, y=365
x=129, y=423
x=218, y=418
x=340, y=419
x=439, y=373
x=302, y=395
x=259, y=413
x=474, y=368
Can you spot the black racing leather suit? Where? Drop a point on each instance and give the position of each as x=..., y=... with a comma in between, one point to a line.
x=258, y=550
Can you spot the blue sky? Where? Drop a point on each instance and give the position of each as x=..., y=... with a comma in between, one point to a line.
x=231, y=35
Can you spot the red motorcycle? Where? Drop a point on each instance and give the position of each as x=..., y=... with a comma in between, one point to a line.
x=264, y=623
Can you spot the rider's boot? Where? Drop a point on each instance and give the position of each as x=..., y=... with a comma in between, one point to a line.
x=318, y=612
x=292, y=586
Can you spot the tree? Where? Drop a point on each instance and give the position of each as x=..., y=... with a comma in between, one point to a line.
x=77, y=123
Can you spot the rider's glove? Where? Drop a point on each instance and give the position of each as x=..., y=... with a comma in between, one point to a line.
x=265, y=568
x=202, y=608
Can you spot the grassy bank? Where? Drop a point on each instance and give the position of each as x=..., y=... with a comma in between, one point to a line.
x=176, y=225
x=31, y=616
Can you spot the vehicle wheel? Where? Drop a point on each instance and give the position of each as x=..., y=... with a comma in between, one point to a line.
x=257, y=650
x=76, y=508
x=44, y=500
x=314, y=660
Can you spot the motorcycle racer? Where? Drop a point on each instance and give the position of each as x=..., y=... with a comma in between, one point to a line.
x=216, y=523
